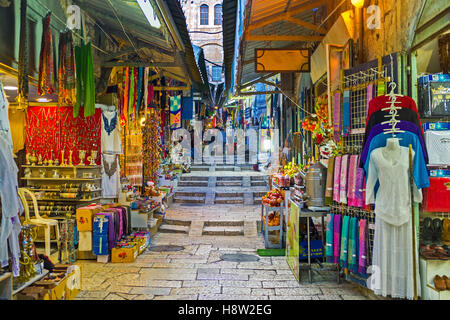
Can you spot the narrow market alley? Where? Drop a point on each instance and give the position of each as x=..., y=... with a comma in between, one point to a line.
x=205, y=228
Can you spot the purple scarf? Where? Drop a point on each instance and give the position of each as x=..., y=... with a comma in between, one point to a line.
x=359, y=200
x=337, y=173
x=337, y=237
x=343, y=183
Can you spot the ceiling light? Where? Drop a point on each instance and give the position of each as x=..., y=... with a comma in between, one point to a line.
x=358, y=3
x=10, y=88
x=42, y=100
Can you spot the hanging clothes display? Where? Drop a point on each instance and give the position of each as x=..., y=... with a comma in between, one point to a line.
x=46, y=84
x=5, y=128
x=386, y=162
x=67, y=93
x=85, y=80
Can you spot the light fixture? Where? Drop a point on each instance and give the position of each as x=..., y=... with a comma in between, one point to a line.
x=358, y=3
x=10, y=88
x=142, y=122
x=42, y=100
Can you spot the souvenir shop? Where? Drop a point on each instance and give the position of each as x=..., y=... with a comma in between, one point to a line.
x=372, y=152
x=88, y=172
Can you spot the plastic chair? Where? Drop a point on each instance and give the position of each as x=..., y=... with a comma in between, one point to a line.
x=38, y=220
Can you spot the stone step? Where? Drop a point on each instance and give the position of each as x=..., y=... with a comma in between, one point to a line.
x=259, y=194
x=193, y=183
x=190, y=194
x=229, y=200
x=225, y=169
x=229, y=178
x=185, y=199
x=223, y=231
x=193, y=178
x=258, y=178
x=229, y=183
x=228, y=194
x=257, y=200
x=258, y=183
x=199, y=168
x=222, y=223
x=171, y=228
x=173, y=222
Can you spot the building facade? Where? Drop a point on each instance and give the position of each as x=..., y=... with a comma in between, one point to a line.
x=204, y=21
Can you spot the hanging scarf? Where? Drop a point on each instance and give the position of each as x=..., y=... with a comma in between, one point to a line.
x=131, y=95
x=23, y=54
x=359, y=200
x=343, y=183
x=352, y=180
x=337, y=178
x=145, y=84
x=353, y=246
x=46, y=60
x=136, y=84
x=381, y=88
x=362, y=256
x=346, y=116
x=85, y=80
x=66, y=70
x=126, y=94
x=344, y=242
x=140, y=89
x=337, y=117
x=337, y=237
x=351, y=237
x=329, y=184
x=151, y=94
x=329, y=244
x=369, y=97
x=109, y=125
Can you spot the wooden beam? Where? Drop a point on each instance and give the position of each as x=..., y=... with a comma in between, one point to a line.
x=306, y=24
x=141, y=64
x=252, y=37
x=283, y=16
x=166, y=88
x=258, y=93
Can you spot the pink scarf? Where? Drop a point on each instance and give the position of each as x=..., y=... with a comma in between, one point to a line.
x=352, y=180
x=337, y=173
x=343, y=183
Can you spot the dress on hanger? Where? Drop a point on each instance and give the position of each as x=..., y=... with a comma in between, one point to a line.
x=5, y=127
x=110, y=176
x=392, y=272
x=111, y=140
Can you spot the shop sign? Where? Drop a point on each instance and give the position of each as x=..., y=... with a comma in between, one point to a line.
x=282, y=60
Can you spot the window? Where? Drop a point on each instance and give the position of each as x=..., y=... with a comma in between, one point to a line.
x=204, y=14
x=216, y=73
x=218, y=14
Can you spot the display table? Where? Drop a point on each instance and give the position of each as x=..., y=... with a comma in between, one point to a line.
x=265, y=228
x=293, y=246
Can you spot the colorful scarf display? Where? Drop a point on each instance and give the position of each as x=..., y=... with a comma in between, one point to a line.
x=343, y=177
x=359, y=200
x=344, y=242
x=337, y=178
x=329, y=184
x=362, y=257
x=330, y=236
x=67, y=93
x=151, y=146
x=337, y=237
x=46, y=84
x=369, y=97
x=175, y=113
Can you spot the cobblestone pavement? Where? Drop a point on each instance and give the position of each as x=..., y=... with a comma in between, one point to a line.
x=198, y=273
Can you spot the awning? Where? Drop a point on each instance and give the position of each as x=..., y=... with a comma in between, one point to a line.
x=277, y=24
x=157, y=38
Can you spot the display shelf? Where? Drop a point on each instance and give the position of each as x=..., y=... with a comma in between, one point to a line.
x=279, y=187
x=30, y=282
x=62, y=179
x=70, y=200
x=62, y=167
x=272, y=208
